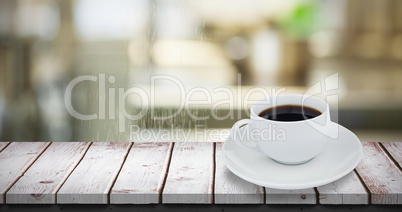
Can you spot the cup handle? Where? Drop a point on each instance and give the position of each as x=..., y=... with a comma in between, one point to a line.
x=236, y=128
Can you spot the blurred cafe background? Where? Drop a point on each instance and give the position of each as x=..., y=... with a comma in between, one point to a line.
x=232, y=44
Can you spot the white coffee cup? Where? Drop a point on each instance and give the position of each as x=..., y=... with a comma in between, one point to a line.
x=287, y=142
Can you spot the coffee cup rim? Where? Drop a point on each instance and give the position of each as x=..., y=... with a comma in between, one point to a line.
x=252, y=112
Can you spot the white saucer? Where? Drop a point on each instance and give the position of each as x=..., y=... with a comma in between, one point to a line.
x=339, y=157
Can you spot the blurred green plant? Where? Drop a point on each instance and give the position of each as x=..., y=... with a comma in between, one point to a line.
x=301, y=21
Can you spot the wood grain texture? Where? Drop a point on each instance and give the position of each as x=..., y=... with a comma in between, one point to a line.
x=141, y=179
x=380, y=175
x=190, y=177
x=231, y=189
x=3, y=145
x=15, y=159
x=395, y=150
x=299, y=196
x=347, y=190
x=92, y=179
x=44, y=178
x=27, y=169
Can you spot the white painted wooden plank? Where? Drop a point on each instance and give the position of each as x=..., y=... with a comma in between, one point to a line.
x=3, y=145
x=92, y=179
x=141, y=179
x=299, y=196
x=395, y=150
x=381, y=176
x=43, y=179
x=190, y=177
x=15, y=159
x=231, y=189
x=347, y=190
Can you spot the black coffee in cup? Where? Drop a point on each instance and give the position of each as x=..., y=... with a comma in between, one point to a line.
x=289, y=113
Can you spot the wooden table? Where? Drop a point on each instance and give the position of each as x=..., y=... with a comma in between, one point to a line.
x=144, y=173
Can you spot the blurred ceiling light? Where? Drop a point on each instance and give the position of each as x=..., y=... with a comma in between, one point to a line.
x=186, y=53
x=104, y=19
x=37, y=18
x=237, y=48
